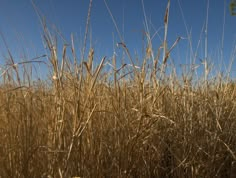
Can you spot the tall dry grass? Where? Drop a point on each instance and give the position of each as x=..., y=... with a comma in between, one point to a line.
x=86, y=122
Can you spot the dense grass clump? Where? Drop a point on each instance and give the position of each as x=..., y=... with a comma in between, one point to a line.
x=88, y=126
x=103, y=130
x=86, y=122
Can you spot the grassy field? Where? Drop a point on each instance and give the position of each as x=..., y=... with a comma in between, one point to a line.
x=84, y=121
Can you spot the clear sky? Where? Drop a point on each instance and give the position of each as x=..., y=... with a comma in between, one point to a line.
x=22, y=31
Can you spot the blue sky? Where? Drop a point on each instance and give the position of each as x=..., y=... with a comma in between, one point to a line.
x=22, y=31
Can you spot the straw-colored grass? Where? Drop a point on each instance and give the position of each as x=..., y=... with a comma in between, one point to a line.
x=86, y=122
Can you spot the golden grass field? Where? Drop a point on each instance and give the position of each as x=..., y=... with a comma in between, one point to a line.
x=84, y=121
